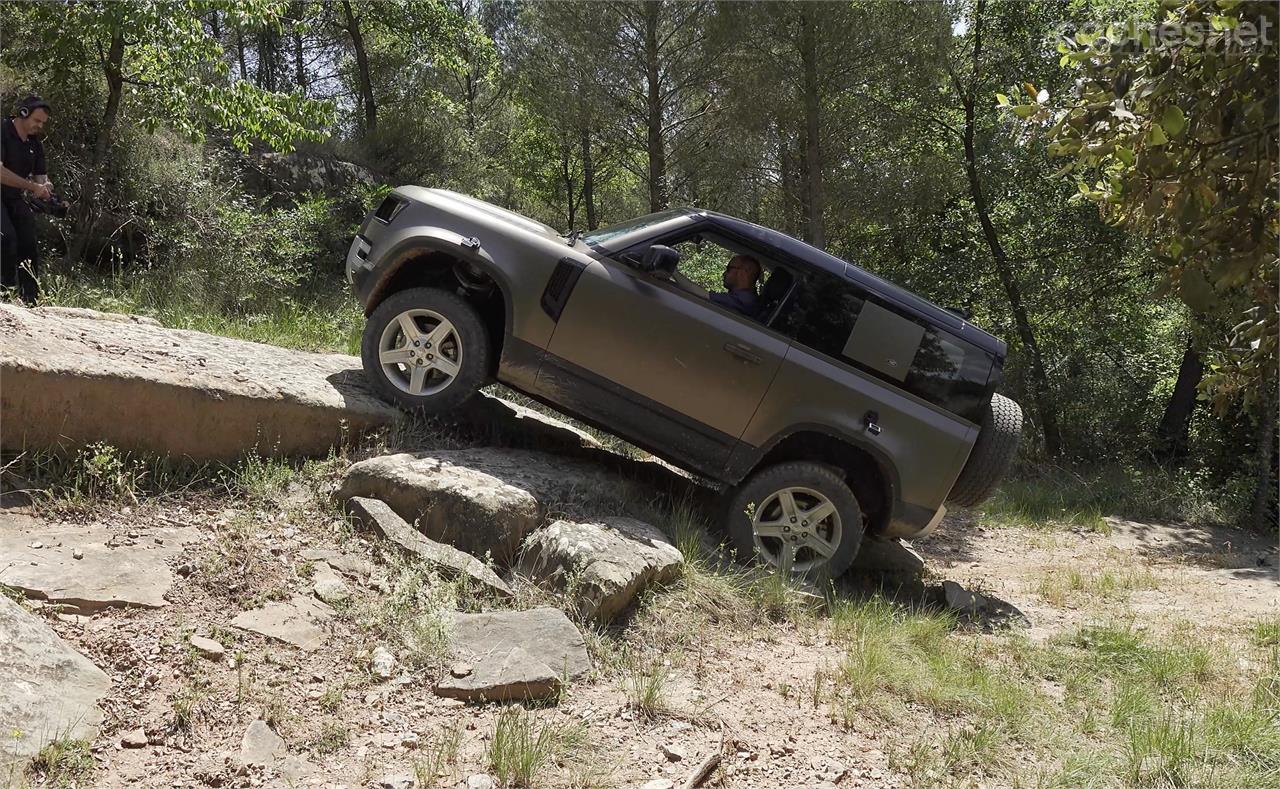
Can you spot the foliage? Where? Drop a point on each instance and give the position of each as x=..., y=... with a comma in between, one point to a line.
x=1173, y=131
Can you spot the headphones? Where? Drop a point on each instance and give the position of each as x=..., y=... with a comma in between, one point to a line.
x=32, y=103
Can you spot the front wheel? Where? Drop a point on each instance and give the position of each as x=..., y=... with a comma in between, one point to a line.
x=798, y=518
x=425, y=349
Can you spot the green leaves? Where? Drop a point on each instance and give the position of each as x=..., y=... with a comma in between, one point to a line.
x=1173, y=120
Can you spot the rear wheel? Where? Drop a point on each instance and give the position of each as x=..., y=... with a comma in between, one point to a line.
x=425, y=350
x=798, y=518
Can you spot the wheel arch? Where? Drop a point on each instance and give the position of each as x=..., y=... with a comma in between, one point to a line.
x=440, y=259
x=867, y=470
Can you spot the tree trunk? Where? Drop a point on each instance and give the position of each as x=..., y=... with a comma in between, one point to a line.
x=1041, y=391
x=567, y=175
x=299, y=69
x=362, y=67
x=787, y=172
x=1172, y=432
x=814, y=201
x=657, y=153
x=1265, y=489
x=588, y=180
x=87, y=202
x=244, y=71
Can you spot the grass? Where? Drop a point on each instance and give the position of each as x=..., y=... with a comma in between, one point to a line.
x=1069, y=585
x=645, y=684
x=1052, y=497
x=522, y=746
x=440, y=756
x=63, y=763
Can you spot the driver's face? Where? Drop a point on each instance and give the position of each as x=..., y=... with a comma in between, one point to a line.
x=36, y=120
x=737, y=274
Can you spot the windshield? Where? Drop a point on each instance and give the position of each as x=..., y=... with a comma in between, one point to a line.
x=639, y=223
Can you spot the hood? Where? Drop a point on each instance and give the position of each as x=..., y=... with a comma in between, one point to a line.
x=463, y=206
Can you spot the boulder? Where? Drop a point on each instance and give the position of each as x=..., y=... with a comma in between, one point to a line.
x=511, y=424
x=85, y=569
x=379, y=518
x=298, y=621
x=602, y=563
x=71, y=379
x=504, y=674
x=892, y=558
x=48, y=691
x=545, y=635
x=452, y=497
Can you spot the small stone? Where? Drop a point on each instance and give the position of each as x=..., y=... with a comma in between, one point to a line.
x=76, y=553
x=673, y=753
x=383, y=663
x=332, y=590
x=37, y=544
x=480, y=781
x=659, y=783
x=137, y=738
x=132, y=533
x=208, y=648
x=399, y=781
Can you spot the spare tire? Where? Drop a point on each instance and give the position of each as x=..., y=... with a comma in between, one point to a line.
x=992, y=453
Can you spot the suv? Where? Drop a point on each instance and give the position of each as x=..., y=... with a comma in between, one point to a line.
x=840, y=406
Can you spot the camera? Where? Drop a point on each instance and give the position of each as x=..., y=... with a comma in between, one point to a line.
x=55, y=206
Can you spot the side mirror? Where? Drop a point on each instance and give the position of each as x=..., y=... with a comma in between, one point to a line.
x=660, y=260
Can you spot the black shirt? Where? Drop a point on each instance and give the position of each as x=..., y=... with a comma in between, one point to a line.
x=19, y=156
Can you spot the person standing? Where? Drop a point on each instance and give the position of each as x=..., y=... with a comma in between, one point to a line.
x=22, y=170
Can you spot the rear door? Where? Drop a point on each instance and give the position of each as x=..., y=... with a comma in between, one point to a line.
x=670, y=371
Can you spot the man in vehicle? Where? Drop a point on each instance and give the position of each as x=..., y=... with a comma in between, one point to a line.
x=740, y=277
x=22, y=169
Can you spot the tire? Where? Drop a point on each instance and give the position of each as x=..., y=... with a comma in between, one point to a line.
x=992, y=453
x=461, y=348
x=759, y=502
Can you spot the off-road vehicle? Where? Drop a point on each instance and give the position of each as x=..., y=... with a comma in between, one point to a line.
x=842, y=405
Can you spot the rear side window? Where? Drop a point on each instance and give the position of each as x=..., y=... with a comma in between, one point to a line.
x=834, y=317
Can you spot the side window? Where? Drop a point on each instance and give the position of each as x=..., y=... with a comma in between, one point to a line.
x=835, y=317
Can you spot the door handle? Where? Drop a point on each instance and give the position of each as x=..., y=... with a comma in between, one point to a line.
x=743, y=351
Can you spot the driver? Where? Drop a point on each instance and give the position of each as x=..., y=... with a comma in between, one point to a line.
x=740, y=278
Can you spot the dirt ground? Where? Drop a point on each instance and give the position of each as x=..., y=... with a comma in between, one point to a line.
x=739, y=690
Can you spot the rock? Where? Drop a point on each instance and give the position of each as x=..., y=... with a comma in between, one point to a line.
x=658, y=783
x=47, y=689
x=460, y=670
x=383, y=663
x=74, y=380
x=298, y=621
x=88, y=314
x=260, y=745
x=379, y=518
x=76, y=553
x=888, y=557
x=350, y=566
x=514, y=425
x=546, y=634
x=327, y=586
x=208, y=648
x=398, y=781
x=135, y=738
x=674, y=753
x=985, y=610
x=605, y=562
x=451, y=498
x=959, y=599
x=480, y=781
x=509, y=674
x=104, y=576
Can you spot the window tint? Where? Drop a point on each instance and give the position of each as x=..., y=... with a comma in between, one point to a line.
x=825, y=313
x=611, y=232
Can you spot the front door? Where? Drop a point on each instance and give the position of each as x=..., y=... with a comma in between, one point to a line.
x=666, y=369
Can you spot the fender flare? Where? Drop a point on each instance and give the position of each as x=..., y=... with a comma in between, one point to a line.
x=888, y=469
x=437, y=239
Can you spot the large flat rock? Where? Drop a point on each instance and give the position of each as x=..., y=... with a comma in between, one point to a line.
x=300, y=621
x=113, y=571
x=48, y=691
x=545, y=635
x=71, y=378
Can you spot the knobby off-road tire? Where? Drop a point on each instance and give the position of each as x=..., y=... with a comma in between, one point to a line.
x=784, y=508
x=450, y=361
x=992, y=453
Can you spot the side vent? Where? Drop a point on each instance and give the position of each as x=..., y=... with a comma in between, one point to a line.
x=556, y=294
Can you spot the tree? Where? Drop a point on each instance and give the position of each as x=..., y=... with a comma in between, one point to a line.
x=158, y=58
x=1173, y=132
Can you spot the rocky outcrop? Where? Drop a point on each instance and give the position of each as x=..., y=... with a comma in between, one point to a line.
x=48, y=691
x=380, y=519
x=603, y=564
x=72, y=380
